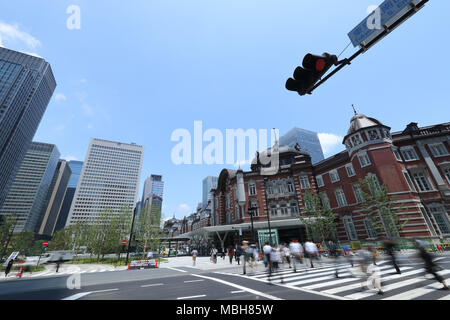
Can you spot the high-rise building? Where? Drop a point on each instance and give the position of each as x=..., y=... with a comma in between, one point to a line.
x=55, y=199
x=208, y=184
x=75, y=167
x=27, y=195
x=152, y=195
x=307, y=140
x=109, y=180
x=26, y=86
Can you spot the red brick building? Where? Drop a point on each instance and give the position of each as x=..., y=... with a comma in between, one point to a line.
x=414, y=165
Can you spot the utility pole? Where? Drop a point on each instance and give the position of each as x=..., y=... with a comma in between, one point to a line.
x=267, y=209
x=131, y=235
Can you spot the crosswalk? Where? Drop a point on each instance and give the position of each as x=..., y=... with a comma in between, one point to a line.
x=411, y=284
x=69, y=271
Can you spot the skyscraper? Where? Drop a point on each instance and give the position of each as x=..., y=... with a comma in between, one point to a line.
x=208, y=183
x=26, y=86
x=27, y=195
x=55, y=198
x=75, y=167
x=152, y=195
x=307, y=140
x=109, y=180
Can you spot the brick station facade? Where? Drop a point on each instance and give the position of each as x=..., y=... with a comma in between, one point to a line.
x=413, y=164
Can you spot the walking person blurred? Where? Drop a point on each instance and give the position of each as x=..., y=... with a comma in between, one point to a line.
x=275, y=260
x=267, y=249
x=296, y=252
x=238, y=254
x=287, y=254
x=253, y=258
x=230, y=254
x=332, y=248
x=368, y=272
x=430, y=265
x=389, y=246
x=214, y=255
x=8, y=267
x=311, y=251
x=245, y=248
x=194, y=256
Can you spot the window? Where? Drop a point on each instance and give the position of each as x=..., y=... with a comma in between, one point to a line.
x=340, y=197
x=294, y=208
x=254, y=204
x=447, y=174
x=284, y=209
x=387, y=134
x=397, y=154
x=422, y=181
x=358, y=193
x=237, y=212
x=373, y=135
x=409, y=181
x=409, y=154
x=280, y=189
x=270, y=189
x=356, y=139
x=320, y=183
x=350, y=228
x=290, y=187
x=350, y=170
x=441, y=218
x=252, y=189
x=325, y=200
x=273, y=210
x=371, y=232
x=438, y=149
x=334, y=176
x=374, y=184
x=304, y=183
x=364, y=160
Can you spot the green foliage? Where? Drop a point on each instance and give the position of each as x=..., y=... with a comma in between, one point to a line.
x=147, y=230
x=22, y=242
x=379, y=208
x=318, y=218
x=7, y=224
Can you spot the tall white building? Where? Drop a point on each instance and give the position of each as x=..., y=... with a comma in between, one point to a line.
x=109, y=180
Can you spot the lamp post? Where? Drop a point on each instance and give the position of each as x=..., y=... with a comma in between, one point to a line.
x=131, y=235
x=267, y=208
x=251, y=212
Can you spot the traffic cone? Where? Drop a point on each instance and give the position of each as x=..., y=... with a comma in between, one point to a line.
x=19, y=275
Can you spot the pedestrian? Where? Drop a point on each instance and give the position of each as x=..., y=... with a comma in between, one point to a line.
x=296, y=253
x=311, y=251
x=214, y=253
x=8, y=267
x=389, y=245
x=60, y=261
x=230, y=254
x=223, y=253
x=245, y=248
x=287, y=254
x=149, y=254
x=254, y=258
x=238, y=254
x=430, y=265
x=194, y=256
x=267, y=249
x=368, y=272
x=275, y=260
x=333, y=254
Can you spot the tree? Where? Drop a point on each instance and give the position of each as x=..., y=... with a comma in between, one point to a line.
x=7, y=225
x=147, y=230
x=318, y=218
x=200, y=239
x=22, y=241
x=379, y=209
x=62, y=240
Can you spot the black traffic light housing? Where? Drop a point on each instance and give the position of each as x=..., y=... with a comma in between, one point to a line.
x=314, y=67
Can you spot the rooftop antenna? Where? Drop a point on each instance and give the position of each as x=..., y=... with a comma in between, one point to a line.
x=354, y=110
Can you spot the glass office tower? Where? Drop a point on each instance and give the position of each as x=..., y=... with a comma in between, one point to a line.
x=27, y=195
x=208, y=183
x=75, y=167
x=26, y=86
x=307, y=140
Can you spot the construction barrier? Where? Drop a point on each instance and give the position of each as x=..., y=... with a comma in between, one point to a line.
x=142, y=264
x=19, y=275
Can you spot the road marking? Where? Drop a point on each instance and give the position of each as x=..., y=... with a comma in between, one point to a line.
x=177, y=269
x=100, y=291
x=237, y=291
x=152, y=285
x=77, y=296
x=258, y=293
x=192, y=297
x=415, y=293
x=187, y=281
x=445, y=298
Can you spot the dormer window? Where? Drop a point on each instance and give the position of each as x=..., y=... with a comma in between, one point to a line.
x=356, y=139
x=387, y=133
x=373, y=135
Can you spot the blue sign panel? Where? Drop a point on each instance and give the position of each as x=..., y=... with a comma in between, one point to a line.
x=370, y=27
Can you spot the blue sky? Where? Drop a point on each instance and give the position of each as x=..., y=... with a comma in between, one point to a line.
x=138, y=70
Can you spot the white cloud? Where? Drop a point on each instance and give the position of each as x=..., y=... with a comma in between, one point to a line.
x=331, y=143
x=184, y=208
x=12, y=33
x=60, y=97
x=69, y=158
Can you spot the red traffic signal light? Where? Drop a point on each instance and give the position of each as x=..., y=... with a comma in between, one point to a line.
x=314, y=67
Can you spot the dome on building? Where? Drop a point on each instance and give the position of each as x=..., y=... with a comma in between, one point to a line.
x=360, y=121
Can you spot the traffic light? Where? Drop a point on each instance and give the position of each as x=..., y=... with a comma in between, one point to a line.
x=314, y=67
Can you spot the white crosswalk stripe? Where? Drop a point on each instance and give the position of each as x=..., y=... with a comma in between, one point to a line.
x=412, y=283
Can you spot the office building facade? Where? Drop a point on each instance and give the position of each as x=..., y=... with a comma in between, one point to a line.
x=208, y=184
x=109, y=180
x=152, y=196
x=307, y=140
x=26, y=86
x=75, y=167
x=27, y=195
x=55, y=199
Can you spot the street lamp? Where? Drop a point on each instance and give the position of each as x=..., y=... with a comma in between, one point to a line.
x=131, y=235
x=251, y=212
x=267, y=208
